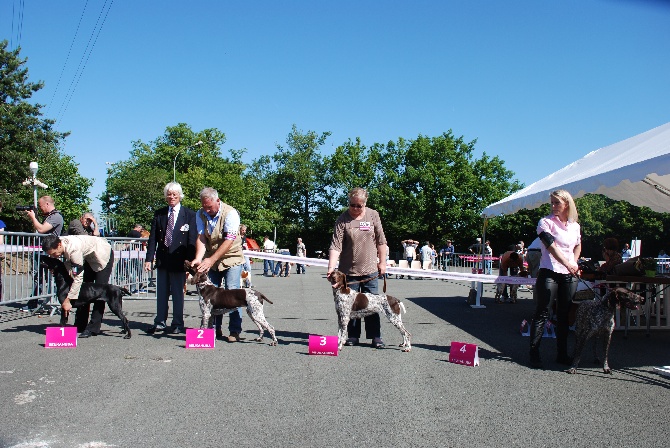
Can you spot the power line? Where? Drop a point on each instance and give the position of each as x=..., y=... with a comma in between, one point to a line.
x=67, y=58
x=19, y=25
x=84, y=59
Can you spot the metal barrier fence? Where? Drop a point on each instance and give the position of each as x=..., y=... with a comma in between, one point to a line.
x=23, y=279
x=457, y=262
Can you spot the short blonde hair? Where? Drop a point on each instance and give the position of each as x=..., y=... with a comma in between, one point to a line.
x=566, y=197
x=358, y=192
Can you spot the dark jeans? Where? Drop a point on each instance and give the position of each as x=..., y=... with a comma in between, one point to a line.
x=268, y=265
x=552, y=287
x=373, y=325
x=100, y=278
x=282, y=268
x=39, y=275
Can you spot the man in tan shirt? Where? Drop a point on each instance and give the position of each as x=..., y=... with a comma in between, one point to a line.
x=89, y=259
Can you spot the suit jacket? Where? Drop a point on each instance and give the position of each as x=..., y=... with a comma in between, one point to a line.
x=184, y=236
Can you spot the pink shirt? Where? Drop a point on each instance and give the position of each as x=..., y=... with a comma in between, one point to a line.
x=566, y=238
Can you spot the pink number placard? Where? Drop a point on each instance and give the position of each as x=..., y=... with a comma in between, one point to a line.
x=61, y=337
x=464, y=353
x=323, y=345
x=200, y=338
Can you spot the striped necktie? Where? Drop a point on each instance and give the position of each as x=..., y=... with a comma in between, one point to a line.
x=168, y=230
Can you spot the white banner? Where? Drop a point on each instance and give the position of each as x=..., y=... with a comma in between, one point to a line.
x=443, y=275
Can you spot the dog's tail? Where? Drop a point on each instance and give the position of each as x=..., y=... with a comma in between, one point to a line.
x=261, y=296
x=396, y=305
x=125, y=291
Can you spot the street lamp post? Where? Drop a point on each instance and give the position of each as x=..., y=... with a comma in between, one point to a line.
x=34, y=181
x=174, y=162
x=33, y=169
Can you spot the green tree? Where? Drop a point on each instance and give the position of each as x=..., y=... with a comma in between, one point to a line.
x=427, y=188
x=134, y=187
x=296, y=183
x=26, y=136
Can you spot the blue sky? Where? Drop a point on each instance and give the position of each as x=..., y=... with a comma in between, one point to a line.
x=537, y=83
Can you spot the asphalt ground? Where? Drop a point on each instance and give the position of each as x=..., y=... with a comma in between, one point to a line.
x=150, y=391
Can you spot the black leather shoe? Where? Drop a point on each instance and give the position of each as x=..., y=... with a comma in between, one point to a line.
x=154, y=328
x=177, y=330
x=87, y=334
x=378, y=343
x=351, y=342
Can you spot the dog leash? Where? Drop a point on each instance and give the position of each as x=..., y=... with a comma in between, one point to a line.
x=369, y=280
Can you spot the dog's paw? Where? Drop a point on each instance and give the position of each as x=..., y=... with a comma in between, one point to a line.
x=273, y=344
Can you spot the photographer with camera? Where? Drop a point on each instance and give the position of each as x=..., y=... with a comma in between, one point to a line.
x=53, y=220
x=52, y=225
x=86, y=225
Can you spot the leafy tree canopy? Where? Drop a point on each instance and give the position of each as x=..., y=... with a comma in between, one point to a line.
x=25, y=136
x=135, y=186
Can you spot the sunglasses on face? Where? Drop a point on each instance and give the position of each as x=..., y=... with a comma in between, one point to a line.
x=356, y=205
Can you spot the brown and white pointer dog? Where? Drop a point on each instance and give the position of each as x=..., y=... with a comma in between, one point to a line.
x=354, y=305
x=596, y=318
x=215, y=300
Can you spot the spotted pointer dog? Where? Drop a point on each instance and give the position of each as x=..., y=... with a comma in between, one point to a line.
x=596, y=318
x=214, y=301
x=354, y=305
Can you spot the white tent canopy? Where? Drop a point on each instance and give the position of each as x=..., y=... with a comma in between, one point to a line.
x=636, y=170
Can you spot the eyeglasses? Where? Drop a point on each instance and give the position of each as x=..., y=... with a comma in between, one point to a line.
x=356, y=205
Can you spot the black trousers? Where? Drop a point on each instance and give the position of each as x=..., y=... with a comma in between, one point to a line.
x=101, y=278
x=373, y=324
x=552, y=287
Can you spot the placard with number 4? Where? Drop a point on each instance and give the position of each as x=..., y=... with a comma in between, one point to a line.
x=464, y=353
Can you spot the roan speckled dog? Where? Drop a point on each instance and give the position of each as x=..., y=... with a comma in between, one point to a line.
x=354, y=305
x=215, y=300
x=596, y=318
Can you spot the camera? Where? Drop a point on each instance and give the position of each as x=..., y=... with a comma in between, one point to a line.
x=25, y=208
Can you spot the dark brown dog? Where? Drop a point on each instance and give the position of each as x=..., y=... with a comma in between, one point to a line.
x=215, y=301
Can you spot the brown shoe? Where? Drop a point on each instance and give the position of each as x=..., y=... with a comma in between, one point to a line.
x=234, y=337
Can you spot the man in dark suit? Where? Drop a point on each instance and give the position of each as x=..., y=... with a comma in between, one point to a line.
x=172, y=241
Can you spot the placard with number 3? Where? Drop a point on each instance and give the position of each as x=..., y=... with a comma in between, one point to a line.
x=323, y=345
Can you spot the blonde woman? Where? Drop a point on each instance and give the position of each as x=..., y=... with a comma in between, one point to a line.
x=561, y=239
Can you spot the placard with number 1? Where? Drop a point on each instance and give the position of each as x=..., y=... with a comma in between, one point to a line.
x=61, y=337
